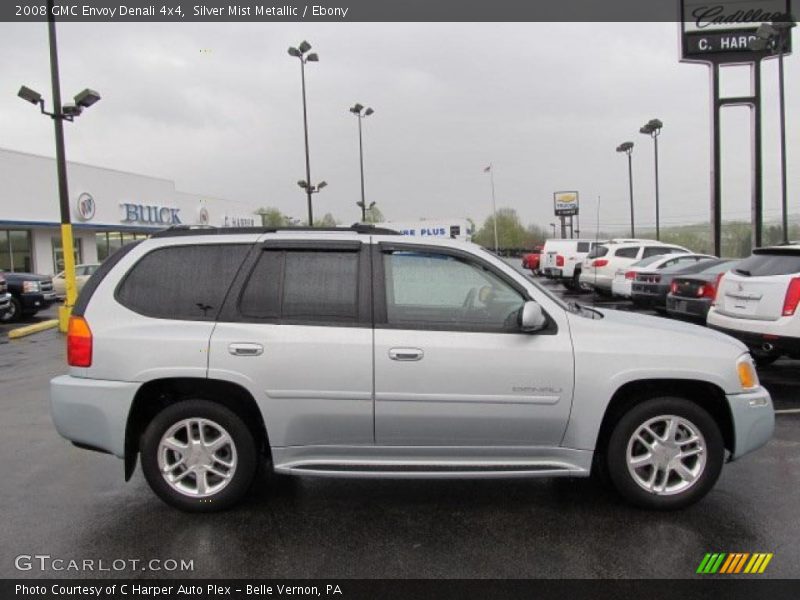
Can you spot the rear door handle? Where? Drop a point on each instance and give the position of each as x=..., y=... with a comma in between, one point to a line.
x=408, y=354
x=246, y=349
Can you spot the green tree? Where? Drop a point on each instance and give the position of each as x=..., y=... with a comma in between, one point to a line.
x=326, y=221
x=374, y=215
x=272, y=217
x=510, y=231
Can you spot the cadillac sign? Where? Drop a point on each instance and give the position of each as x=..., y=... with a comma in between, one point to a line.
x=721, y=31
x=566, y=203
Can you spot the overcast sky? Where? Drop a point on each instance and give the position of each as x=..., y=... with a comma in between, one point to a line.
x=216, y=107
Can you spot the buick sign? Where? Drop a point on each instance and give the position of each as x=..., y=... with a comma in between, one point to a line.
x=85, y=206
x=148, y=214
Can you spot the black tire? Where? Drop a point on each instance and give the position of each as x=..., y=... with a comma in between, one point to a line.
x=243, y=443
x=629, y=424
x=14, y=312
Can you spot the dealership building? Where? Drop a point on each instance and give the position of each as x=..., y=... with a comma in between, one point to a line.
x=108, y=208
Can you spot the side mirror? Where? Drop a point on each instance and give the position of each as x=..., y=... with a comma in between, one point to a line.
x=531, y=317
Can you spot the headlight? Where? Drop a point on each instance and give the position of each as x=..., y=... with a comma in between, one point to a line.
x=748, y=377
x=31, y=286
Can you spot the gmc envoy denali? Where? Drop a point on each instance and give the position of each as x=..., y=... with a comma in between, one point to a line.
x=356, y=352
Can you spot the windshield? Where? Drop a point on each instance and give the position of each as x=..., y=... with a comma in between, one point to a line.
x=770, y=262
x=647, y=261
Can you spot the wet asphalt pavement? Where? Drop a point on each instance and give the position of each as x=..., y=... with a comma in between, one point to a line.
x=73, y=504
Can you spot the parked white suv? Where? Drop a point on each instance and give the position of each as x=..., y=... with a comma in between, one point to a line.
x=561, y=259
x=362, y=353
x=757, y=303
x=600, y=267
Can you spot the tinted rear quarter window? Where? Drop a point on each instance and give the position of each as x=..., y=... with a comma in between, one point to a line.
x=182, y=282
x=627, y=252
x=583, y=246
x=598, y=251
x=769, y=263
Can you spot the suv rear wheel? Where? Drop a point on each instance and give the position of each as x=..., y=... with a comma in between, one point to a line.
x=198, y=456
x=665, y=453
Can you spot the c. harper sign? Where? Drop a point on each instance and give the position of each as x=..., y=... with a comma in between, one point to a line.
x=721, y=30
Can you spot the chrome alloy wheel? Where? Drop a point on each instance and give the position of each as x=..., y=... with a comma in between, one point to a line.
x=666, y=455
x=197, y=457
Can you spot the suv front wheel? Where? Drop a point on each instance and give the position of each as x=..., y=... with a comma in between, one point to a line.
x=665, y=453
x=198, y=456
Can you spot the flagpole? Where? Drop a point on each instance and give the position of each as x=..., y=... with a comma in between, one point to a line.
x=494, y=206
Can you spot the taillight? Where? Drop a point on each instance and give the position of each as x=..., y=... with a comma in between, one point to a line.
x=79, y=343
x=600, y=262
x=792, y=297
x=716, y=289
x=673, y=288
x=630, y=275
x=559, y=261
x=706, y=291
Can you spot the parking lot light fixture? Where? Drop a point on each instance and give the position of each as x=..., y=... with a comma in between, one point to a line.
x=627, y=148
x=653, y=129
x=59, y=114
x=773, y=38
x=357, y=109
x=300, y=54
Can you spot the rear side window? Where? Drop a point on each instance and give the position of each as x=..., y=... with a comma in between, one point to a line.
x=583, y=246
x=627, y=252
x=305, y=285
x=182, y=282
x=769, y=263
x=659, y=250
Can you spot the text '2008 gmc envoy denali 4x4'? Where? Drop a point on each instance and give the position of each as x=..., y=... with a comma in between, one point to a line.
x=360, y=353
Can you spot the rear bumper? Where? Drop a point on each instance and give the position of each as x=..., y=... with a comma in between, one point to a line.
x=621, y=288
x=596, y=281
x=753, y=420
x=694, y=308
x=92, y=412
x=756, y=341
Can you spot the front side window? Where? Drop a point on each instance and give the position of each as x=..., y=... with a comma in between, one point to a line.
x=303, y=285
x=428, y=290
x=182, y=282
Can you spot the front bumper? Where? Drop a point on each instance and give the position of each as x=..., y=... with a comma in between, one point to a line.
x=753, y=420
x=35, y=301
x=92, y=412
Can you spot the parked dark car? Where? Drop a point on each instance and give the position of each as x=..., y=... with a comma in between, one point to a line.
x=690, y=296
x=30, y=293
x=5, y=297
x=650, y=288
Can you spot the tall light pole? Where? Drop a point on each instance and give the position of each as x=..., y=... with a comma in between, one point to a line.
x=627, y=148
x=59, y=114
x=356, y=110
x=490, y=171
x=300, y=53
x=653, y=129
x=774, y=38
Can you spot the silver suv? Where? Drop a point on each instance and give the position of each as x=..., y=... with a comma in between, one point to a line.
x=361, y=353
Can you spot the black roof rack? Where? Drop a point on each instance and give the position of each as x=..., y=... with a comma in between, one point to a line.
x=181, y=230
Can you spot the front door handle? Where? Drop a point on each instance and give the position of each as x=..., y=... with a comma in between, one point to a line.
x=408, y=354
x=246, y=349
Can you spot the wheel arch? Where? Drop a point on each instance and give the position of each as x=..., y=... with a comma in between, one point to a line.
x=703, y=393
x=155, y=395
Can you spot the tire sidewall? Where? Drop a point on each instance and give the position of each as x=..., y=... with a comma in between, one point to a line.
x=246, y=455
x=616, y=455
x=14, y=313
